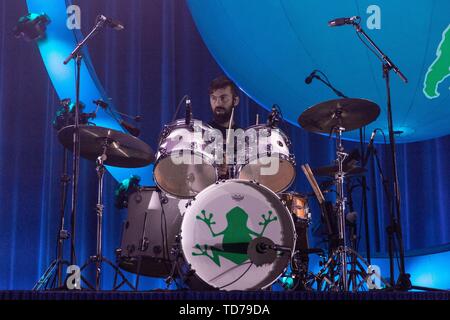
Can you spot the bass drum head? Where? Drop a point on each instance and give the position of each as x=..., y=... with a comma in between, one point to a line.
x=217, y=232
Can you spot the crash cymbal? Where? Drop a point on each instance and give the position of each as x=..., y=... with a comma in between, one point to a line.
x=330, y=171
x=122, y=150
x=350, y=114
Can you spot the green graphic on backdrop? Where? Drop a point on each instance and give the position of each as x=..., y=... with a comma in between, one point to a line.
x=440, y=68
x=236, y=236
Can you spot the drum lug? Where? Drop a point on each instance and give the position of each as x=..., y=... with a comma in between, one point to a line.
x=163, y=151
x=144, y=244
x=163, y=198
x=165, y=132
x=269, y=150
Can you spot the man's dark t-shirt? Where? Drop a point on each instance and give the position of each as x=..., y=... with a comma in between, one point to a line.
x=223, y=130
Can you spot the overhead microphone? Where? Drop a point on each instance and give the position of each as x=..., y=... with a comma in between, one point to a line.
x=370, y=145
x=130, y=128
x=372, y=138
x=100, y=103
x=309, y=78
x=116, y=25
x=274, y=117
x=343, y=21
x=188, y=110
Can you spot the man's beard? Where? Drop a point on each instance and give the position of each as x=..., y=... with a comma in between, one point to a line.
x=221, y=115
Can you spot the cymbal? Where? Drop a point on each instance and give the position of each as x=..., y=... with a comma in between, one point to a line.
x=350, y=114
x=123, y=150
x=330, y=171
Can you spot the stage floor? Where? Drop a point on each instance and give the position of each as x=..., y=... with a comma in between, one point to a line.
x=222, y=295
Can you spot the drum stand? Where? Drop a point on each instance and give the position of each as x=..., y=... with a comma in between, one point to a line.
x=99, y=259
x=335, y=274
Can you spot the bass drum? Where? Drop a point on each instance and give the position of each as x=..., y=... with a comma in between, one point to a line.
x=150, y=231
x=228, y=233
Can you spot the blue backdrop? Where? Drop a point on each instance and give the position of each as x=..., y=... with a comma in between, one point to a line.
x=146, y=69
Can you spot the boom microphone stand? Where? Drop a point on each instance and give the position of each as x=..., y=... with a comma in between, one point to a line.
x=394, y=229
x=77, y=56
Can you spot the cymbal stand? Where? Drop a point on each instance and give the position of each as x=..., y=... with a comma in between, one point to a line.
x=58, y=263
x=99, y=259
x=335, y=274
x=340, y=202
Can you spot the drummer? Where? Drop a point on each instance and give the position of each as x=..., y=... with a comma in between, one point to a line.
x=223, y=98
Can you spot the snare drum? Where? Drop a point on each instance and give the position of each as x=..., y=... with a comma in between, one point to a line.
x=297, y=205
x=227, y=231
x=268, y=158
x=183, y=167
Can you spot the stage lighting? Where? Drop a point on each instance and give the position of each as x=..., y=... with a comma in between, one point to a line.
x=32, y=26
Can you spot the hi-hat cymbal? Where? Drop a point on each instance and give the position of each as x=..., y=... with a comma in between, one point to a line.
x=122, y=150
x=330, y=171
x=350, y=114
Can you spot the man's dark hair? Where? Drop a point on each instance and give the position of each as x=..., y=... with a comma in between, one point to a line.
x=221, y=83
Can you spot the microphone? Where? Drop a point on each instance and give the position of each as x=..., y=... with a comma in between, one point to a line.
x=309, y=78
x=102, y=104
x=342, y=21
x=130, y=128
x=370, y=145
x=372, y=137
x=274, y=117
x=116, y=25
x=188, y=110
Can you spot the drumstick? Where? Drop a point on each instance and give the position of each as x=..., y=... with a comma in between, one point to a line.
x=229, y=126
x=312, y=181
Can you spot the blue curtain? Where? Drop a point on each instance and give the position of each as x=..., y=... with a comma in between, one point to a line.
x=146, y=69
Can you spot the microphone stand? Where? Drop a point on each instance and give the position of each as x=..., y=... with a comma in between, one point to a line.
x=404, y=282
x=77, y=56
x=363, y=180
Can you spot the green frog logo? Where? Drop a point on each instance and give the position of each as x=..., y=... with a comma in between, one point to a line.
x=236, y=236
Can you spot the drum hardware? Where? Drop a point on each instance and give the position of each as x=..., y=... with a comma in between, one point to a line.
x=62, y=234
x=388, y=65
x=263, y=251
x=336, y=116
x=338, y=93
x=106, y=147
x=99, y=259
x=77, y=56
x=128, y=127
x=300, y=278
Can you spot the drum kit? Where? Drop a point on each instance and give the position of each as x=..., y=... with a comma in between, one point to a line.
x=243, y=233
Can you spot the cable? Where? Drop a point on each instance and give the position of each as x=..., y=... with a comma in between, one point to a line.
x=362, y=40
x=179, y=106
x=240, y=277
